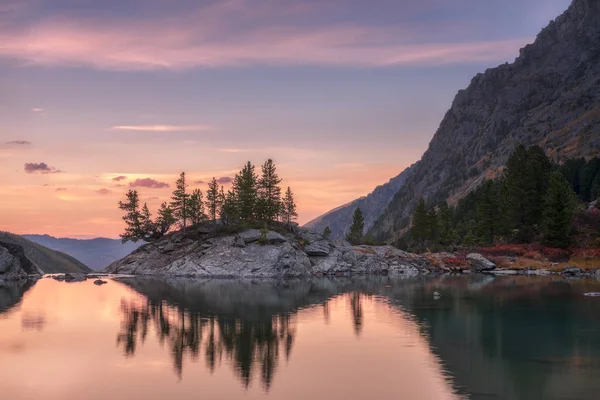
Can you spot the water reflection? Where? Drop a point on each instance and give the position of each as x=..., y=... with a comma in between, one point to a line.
x=11, y=293
x=251, y=345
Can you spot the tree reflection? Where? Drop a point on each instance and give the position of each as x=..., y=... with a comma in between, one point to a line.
x=251, y=346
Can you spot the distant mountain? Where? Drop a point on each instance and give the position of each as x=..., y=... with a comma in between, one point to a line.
x=549, y=97
x=372, y=205
x=48, y=260
x=95, y=253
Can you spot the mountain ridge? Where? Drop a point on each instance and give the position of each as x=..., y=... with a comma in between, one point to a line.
x=96, y=253
x=547, y=97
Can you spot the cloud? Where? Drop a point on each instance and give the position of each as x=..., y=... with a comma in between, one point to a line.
x=162, y=128
x=237, y=33
x=149, y=183
x=153, y=198
x=42, y=168
x=119, y=178
x=37, y=110
x=120, y=185
x=199, y=182
x=104, y=191
x=233, y=150
x=224, y=180
x=19, y=142
x=60, y=189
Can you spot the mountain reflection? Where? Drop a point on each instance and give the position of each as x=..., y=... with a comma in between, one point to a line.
x=11, y=293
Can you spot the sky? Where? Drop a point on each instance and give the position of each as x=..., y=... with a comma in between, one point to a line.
x=99, y=97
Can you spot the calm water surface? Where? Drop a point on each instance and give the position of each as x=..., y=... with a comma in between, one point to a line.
x=370, y=338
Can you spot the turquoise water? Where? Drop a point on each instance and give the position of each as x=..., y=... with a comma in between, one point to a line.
x=383, y=338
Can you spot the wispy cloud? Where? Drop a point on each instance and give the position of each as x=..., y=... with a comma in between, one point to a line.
x=119, y=178
x=42, y=168
x=162, y=128
x=224, y=180
x=104, y=191
x=238, y=33
x=19, y=142
x=149, y=183
x=234, y=150
x=60, y=189
x=37, y=110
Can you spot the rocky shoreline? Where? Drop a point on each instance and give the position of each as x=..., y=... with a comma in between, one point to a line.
x=204, y=252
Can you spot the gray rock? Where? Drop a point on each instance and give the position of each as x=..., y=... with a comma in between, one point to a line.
x=169, y=247
x=479, y=263
x=74, y=277
x=275, y=238
x=239, y=242
x=100, y=282
x=572, y=271
x=318, y=249
x=251, y=235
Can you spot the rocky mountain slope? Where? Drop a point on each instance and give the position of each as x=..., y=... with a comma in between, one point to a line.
x=205, y=252
x=14, y=264
x=49, y=261
x=549, y=96
x=372, y=205
x=96, y=253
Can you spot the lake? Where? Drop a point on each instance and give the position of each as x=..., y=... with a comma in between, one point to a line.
x=346, y=338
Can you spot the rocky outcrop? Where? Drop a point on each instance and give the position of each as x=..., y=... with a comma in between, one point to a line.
x=372, y=205
x=14, y=265
x=549, y=97
x=252, y=253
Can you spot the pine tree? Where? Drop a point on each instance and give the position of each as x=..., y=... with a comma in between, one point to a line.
x=419, y=224
x=289, y=212
x=213, y=199
x=488, y=214
x=229, y=210
x=195, y=208
x=432, y=225
x=245, y=190
x=444, y=220
x=357, y=228
x=587, y=174
x=164, y=220
x=269, y=193
x=559, y=210
x=133, y=217
x=148, y=228
x=595, y=191
x=327, y=232
x=180, y=200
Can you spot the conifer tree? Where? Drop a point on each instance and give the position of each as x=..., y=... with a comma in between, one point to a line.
x=289, y=212
x=419, y=223
x=164, y=220
x=327, y=232
x=357, y=228
x=133, y=217
x=432, y=225
x=587, y=174
x=195, y=208
x=148, y=228
x=559, y=209
x=180, y=200
x=445, y=230
x=245, y=191
x=269, y=193
x=488, y=212
x=213, y=199
x=229, y=210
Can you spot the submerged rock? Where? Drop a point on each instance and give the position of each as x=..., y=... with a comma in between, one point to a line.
x=100, y=282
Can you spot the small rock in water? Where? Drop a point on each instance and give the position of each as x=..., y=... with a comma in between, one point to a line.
x=100, y=282
x=592, y=294
x=436, y=295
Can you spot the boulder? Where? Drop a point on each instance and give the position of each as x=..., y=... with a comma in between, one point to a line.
x=251, y=235
x=275, y=238
x=10, y=266
x=239, y=242
x=318, y=249
x=571, y=271
x=479, y=263
x=100, y=282
x=73, y=277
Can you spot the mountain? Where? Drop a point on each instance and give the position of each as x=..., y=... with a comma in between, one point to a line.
x=549, y=97
x=95, y=253
x=49, y=261
x=372, y=205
